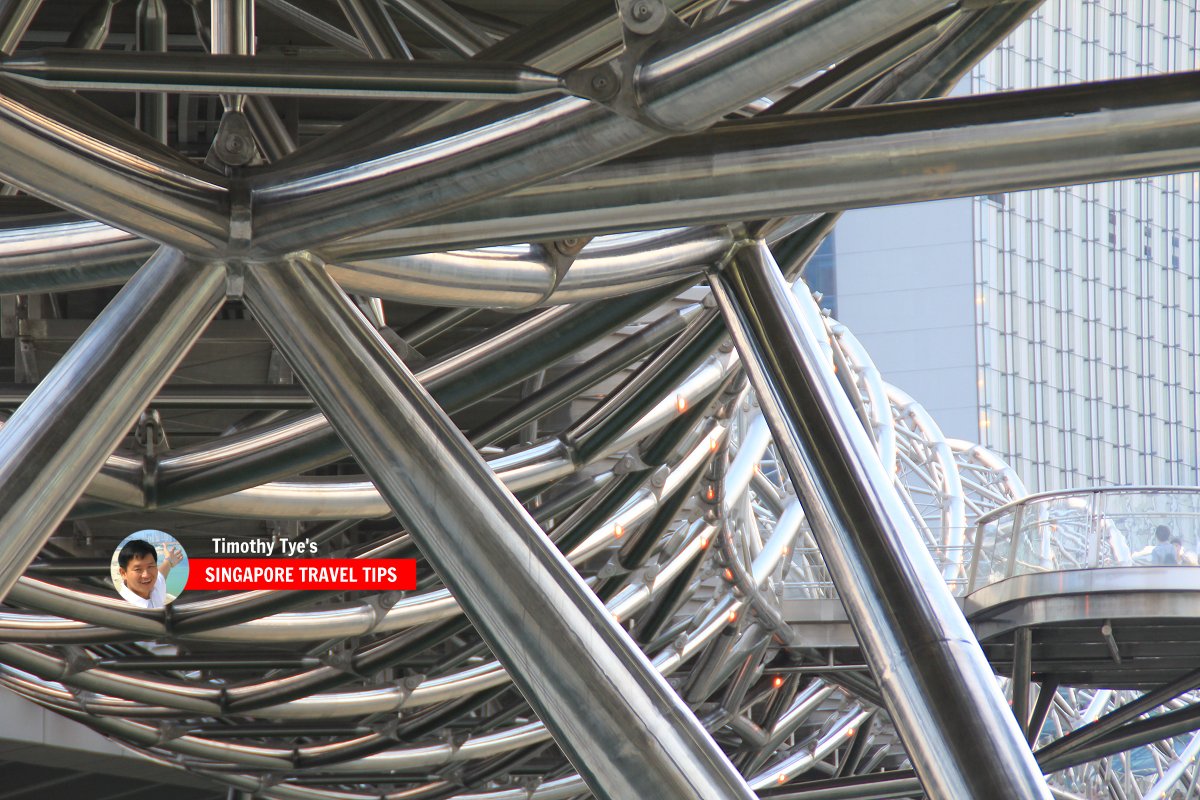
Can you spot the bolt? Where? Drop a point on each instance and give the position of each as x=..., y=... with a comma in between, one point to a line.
x=566, y=247
x=600, y=83
x=642, y=11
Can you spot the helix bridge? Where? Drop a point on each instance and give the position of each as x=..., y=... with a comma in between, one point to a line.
x=519, y=291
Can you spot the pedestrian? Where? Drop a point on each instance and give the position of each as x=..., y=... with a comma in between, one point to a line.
x=1164, y=553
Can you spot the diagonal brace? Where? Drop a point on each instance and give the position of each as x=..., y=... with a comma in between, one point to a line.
x=623, y=728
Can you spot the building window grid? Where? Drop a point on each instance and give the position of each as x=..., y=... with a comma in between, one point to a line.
x=1042, y=318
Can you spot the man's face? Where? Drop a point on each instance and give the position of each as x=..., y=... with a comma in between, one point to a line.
x=140, y=574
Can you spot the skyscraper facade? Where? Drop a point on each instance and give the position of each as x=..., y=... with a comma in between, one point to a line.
x=1085, y=299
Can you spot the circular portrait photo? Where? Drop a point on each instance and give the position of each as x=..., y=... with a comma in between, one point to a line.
x=149, y=568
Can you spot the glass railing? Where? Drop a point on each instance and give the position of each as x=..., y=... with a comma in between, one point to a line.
x=1087, y=529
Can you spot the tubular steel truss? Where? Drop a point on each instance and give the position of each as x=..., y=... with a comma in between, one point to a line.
x=605, y=516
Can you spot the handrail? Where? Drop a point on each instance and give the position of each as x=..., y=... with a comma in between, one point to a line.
x=1086, y=528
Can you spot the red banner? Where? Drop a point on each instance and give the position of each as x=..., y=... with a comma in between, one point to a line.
x=313, y=574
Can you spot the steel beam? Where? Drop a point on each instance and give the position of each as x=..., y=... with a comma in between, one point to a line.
x=314, y=25
x=274, y=75
x=1022, y=675
x=1041, y=710
x=231, y=33
x=935, y=680
x=620, y=724
x=129, y=189
x=1127, y=737
x=92, y=29
x=1110, y=722
x=58, y=439
x=686, y=83
x=443, y=23
x=375, y=29
x=15, y=18
x=151, y=34
x=850, y=158
x=198, y=396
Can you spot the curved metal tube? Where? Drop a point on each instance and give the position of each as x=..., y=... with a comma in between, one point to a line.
x=76, y=170
x=318, y=498
x=950, y=491
x=324, y=624
x=874, y=390
x=336, y=705
x=304, y=441
x=629, y=514
x=495, y=578
x=33, y=258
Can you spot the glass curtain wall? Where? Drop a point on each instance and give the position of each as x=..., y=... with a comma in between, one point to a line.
x=1087, y=297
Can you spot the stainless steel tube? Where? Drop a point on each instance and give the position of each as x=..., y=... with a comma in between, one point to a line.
x=1110, y=722
x=636, y=738
x=375, y=29
x=152, y=38
x=971, y=32
x=274, y=139
x=462, y=378
x=33, y=255
x=15, y=18
x=232, y=27
x=280, y=75
x=65, y=254
x=851, y=158
x=572, y=35
x=443, y=23
x=314, y=25
x=492, y=153
x=92, y=29
x=521, y=276
x=971, y=39
x=340, y=498
x=59, y=438
x=738, y=54
x=936, y=682
x=231, y=32
x=571, y=384
x=83, y=172
x=199, y=396
x=128, y=144
x=843, y=84
x=1022, y=675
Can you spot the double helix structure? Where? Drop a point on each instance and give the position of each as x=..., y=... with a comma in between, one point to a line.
x=517, y=291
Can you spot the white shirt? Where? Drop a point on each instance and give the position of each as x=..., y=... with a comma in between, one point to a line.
x=157, y=598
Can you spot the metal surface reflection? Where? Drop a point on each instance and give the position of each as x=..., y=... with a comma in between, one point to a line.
x=432, y=280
